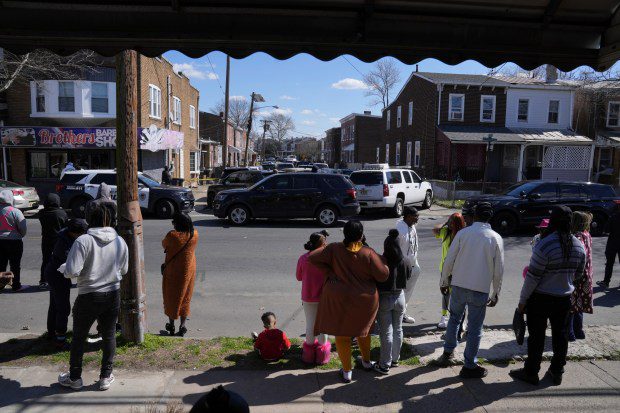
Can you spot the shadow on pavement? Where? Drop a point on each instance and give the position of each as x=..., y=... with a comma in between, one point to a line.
x=265, y=223
x=610, y=297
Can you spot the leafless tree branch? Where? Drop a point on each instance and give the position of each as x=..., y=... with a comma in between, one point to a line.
x=381, y=81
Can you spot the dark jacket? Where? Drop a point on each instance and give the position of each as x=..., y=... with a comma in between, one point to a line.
x=53, y=218
x=166, y=177
x=400, y=270
x=613, y=228
x=104, y=198
x=59, y=255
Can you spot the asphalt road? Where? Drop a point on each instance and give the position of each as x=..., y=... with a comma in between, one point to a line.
x=243, y=272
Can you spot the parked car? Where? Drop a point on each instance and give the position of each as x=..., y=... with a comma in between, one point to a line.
x=391, y=188
x=230, y=169
x=282, y=166
x=239, y=179
x=325, y=197
x=25, y=197
x=76, y=188
x=526, y=204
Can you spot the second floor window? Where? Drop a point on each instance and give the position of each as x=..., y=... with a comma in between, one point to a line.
x=398, y=116
x=554, y=111
x=176, y=114
x=410, y=114
x=99, y=98
x=613, y=114
x=154, y=101
x=66, y=97
x=455, y=107
x=192, y=117
x=40, y=97
x=387, y=124
x=487, y=109
x=523, y=110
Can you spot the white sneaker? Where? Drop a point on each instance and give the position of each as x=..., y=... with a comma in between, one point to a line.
x=106, y=382
x=64, y=379
x=443, y=323
x=408, y=319
x=346, y=376
x=366, y=365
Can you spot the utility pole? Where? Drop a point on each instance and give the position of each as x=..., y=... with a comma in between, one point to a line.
x=247, y=138
x=266, y=123
x=133, y=298
x=225, y=135
x=489, y=141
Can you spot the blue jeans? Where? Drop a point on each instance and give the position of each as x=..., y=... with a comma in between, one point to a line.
x=476, y=303
x=391, y=310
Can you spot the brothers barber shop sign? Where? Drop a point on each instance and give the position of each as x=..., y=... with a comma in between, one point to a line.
x=151, y=138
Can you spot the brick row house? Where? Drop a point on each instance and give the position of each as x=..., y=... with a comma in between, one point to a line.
x=437, y=123
x=331, y=153
x=359, y=135
x=211, y=138
x=50, y=122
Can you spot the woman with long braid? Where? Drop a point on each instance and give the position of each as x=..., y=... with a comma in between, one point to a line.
x=557, y=261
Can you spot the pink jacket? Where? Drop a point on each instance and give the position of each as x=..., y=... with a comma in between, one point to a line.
x=311, y=278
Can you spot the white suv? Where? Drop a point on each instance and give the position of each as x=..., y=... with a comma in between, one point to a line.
x=380, y=186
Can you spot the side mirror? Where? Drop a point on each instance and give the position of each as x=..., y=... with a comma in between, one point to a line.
x=522, y=194
x=260, y=189
x=534, y=196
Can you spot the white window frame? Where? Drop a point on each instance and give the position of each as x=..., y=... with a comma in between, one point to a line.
x=196, y=156
x=417, y=155
x=527, y=115
x=378, y=156
x=72, y=88
x=410, y=114
x=399, y=112
x=192, y=117
x=397, y=154
x=387, y=153
x=557, y=121
x=409, y=149
x=92, y=96
x=482, y=98
x=39, y=87
x=154, y=102
x=613, y=102
x=450, y=111
x=176, y=110
x=387, y=123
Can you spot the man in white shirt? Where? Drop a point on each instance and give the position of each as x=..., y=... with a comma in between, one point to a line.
x=474, y=262
x=408, y=240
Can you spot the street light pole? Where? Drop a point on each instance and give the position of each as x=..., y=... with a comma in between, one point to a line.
x=266, y=123
x=256, y=97
x=489, y=140
x=225, y=134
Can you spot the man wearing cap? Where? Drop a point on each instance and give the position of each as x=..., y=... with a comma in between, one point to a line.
x=557, y=260
x=474, y=262
x=408, y=240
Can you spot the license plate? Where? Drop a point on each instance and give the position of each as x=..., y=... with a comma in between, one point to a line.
x=363, y=192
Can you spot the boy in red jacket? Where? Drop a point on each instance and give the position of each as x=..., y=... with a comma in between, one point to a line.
x=272, y=342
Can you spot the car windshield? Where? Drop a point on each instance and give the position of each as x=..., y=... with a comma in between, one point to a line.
x=367, y=178
x=284, y=165
x=321, y=165
x=149, y=181
x=8, y=184
x=527, y=188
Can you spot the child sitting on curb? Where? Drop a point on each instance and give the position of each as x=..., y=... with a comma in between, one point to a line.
x=272, y=342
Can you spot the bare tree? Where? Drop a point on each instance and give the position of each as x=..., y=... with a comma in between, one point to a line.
x=280, y=126
x=381, y=81
x=42, y=64
x=238, y=111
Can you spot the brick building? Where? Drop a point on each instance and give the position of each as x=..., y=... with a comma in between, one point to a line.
x=360, y=136
x=332, y=147
x=48, y=123
x=212, y=136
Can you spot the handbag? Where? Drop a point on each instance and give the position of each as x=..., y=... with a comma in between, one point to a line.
x=518, y=326
x=163, y=266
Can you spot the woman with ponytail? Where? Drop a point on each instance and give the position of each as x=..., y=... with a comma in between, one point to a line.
x=557, y=261
x=349, y=300
x=316, y=348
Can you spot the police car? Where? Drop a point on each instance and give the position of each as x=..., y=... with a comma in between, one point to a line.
x=76, y=188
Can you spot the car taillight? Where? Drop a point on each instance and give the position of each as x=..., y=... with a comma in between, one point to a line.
x=352, y=193
x=617, y=201
x=386, y=190
x=59, y=187
x=17, y=192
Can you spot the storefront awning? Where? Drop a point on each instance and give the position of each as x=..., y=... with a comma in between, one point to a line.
x=529, y=33
x=475, y=134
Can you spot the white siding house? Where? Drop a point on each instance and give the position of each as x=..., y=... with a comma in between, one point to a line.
x=73, y=99
x=539, y=102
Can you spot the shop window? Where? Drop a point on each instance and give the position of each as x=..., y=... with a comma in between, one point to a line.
x=456, y=107
x=38, y=165
x=66, y=97
x=99, y=98
x=40, y=88
x=58, y=160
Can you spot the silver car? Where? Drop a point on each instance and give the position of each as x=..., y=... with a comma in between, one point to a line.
x=25, y=197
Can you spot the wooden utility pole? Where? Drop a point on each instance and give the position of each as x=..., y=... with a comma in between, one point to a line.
x=225, y=135
x=247, y=138
x=266, y=123
x=133, y=298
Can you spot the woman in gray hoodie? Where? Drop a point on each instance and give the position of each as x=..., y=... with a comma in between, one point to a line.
x=12, y=231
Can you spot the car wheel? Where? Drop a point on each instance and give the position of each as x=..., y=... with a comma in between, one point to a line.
x=598, y=224
x=398, y=208
x=428, y=200
x=239, y=215
x=78, y=207
x=327, y=216
x=505, y=223
x=164, y=209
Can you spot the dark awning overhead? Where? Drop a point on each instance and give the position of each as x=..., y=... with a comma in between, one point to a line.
x=565, y=33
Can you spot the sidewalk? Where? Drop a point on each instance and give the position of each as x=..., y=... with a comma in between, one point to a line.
x=587, y=386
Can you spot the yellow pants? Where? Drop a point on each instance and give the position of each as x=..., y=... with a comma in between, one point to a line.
x=343, y=346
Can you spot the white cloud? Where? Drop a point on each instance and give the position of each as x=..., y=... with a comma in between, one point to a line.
x=283, y=111
x=191, y=71
x=308, y=122
x=237, y=97
x=287, y=97
x=307, y=112
x=349, y=84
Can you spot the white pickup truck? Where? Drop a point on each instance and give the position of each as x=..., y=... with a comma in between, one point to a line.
x=391, y=188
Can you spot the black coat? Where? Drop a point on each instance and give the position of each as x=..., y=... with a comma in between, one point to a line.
x=613, y=228
x=53, y=219
x=400, y=270
x=59, y=255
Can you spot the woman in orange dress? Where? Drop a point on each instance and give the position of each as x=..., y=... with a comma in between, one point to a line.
x=180, y=271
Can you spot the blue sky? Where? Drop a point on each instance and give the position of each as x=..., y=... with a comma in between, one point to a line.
x=315, y=93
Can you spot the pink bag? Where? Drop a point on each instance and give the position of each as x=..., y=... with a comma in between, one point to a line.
x=525, y=271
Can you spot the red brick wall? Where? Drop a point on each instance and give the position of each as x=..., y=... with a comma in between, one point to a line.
x=472, y=104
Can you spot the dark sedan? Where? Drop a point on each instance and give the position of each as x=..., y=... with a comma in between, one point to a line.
x=528, y=203
x=325, y=197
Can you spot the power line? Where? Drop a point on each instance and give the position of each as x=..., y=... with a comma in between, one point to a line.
x=353, y=66
x=217, y=77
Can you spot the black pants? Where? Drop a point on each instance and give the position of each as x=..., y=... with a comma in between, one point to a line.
x=46, y=252
x=539, y=309
x=60, y=304
x=11, y=251
x=610, y=260
x=104, y=308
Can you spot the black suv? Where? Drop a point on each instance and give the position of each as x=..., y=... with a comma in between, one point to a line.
x=325, y=197
x=239, y=179
x=529, y=202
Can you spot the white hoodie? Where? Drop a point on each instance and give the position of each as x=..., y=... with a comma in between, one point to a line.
x=98, y=259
